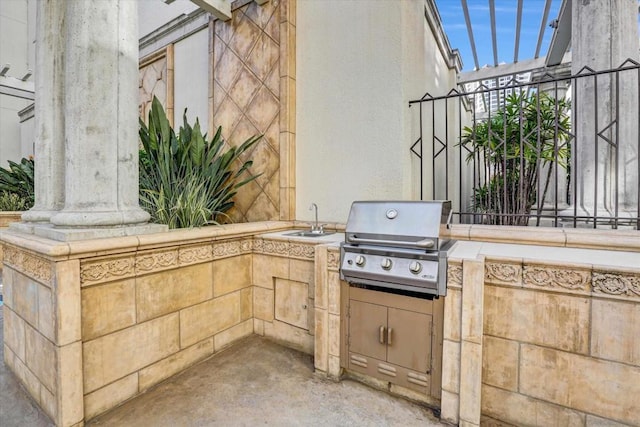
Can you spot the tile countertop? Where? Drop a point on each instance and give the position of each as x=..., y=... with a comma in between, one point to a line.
x=285, y=235
x=555, y=255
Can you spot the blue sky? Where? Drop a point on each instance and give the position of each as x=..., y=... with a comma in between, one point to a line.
x=532, y=11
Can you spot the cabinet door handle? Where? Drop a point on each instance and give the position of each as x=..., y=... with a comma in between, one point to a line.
x=389, y=332
x=381, y=334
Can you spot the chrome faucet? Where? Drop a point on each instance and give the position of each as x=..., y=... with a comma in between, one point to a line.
x=316, y=228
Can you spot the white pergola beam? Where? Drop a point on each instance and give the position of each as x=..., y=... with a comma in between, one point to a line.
x=221, y=9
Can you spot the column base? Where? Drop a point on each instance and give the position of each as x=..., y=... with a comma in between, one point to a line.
x=62, y=234
x=90, y=218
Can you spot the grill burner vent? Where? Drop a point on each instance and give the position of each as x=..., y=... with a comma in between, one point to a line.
x=396, y=245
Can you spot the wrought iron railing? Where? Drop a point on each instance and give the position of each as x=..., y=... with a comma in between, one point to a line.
x=551, y=151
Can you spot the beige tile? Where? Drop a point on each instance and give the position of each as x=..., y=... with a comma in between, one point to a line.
x=207, y=319
x=470, y=381
x=258, y=327
x=233, y=334
x=46, y=319
x=500, y=363
x=101, y=400
x=48, y=403
x=41, y=357
x=169, y=291
x=451, y=366
x=333, y=292
x=108, y=308
x=70, y=386
x=321, y=338
x=517, y=409
x=14, y=335
x=334, y=335
x=7, y=285
x=31, y=383
x=159, y=371
x=606, y=389
x=68, y=302
x=290, y=336
x=554, y=320
x=292, y=302
x=472, y=300
x=266, y=267
x=263, y=303
x=25, y=298
x=231, y=274
x=452, y=314
x=465, y=423
x=322, y=279
x=116, y=355
x=334, y=367
x=301, y=271
x=246, y=303
x=615, y=331
x=593, y=421
x=449, y=407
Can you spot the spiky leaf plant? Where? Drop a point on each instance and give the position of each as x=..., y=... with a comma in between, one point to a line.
x=186, y=180
x=18, y=180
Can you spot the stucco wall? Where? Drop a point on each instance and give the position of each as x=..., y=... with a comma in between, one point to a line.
x=17, y=21
x=155, y=13
x=357, y=67
x=191, y=78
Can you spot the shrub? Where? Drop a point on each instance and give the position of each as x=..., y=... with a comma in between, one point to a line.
x=18, y=180
x=12, y=202
x=522, y=140
x=185, y=180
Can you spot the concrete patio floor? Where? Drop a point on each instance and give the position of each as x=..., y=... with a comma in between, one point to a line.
x=253, y=382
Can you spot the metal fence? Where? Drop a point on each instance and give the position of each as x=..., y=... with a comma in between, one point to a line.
x=549, y=151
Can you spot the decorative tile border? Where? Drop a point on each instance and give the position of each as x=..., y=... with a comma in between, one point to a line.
x=454, y=276
x=106, y=269
x=503, y=273
x=195, y=254
x=33, y=266
x=557, y=278
x=616, y=284
x=302, y=251
x=152, y=262
x=333, y=260
x=275, y=247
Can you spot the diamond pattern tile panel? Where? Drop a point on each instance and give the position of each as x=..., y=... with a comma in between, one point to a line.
x=152, y=80
x=246, y=100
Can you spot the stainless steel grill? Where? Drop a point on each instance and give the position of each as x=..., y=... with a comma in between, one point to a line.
x=396, y=245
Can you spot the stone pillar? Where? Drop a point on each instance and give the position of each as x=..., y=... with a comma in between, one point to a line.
x=604, y=35
x=49, y=114
x=101, y=116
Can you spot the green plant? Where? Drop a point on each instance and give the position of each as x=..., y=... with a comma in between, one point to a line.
x=519, y=141
x=12, y=202
x=18, y=179
x=185, y=180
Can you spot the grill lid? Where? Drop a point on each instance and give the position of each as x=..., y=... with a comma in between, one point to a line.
x=409, y=224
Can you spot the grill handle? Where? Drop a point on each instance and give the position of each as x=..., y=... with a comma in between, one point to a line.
x=425, y=243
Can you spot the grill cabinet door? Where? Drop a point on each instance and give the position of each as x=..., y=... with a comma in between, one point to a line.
x=364, y=329
x=409, y=339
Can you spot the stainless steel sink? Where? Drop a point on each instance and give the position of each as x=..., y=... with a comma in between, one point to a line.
x=307, y=233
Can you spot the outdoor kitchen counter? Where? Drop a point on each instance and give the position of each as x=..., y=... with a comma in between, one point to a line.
x=545, y=254
x=330, y=237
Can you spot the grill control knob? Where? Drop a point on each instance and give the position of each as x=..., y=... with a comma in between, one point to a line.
x=386, y=263
x=415, y=267
x=359, y=260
